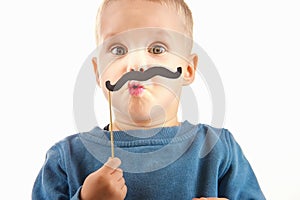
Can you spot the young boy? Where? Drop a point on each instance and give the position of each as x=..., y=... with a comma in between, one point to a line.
x=144, y=60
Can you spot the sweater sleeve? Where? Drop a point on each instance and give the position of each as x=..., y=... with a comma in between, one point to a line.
x=52, y=182
x=239, y=181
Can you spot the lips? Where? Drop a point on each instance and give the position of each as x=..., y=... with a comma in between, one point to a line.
x=135, y=88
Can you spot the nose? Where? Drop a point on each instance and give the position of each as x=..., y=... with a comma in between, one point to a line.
x=137, y=68
x=137, y=61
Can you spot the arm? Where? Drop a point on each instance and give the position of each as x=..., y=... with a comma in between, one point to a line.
x=238, y=181
x=51, y=182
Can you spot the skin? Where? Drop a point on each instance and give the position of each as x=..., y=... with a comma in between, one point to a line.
x=107, y=183
x=148, y=110
x=137, y=112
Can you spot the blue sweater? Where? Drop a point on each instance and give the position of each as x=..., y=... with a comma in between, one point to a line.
x=181, y=162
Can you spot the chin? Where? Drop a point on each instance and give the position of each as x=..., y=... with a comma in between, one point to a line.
x=139, y=111
x=144, y=108
x=139, y=121
x=146, y=115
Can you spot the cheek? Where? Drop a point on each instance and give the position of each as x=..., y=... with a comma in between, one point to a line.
x=112, y=73
x=172, y=61
x=104, y=60
x=108, y=64
x=167, y=87
x=105, y=92
x=179, y=61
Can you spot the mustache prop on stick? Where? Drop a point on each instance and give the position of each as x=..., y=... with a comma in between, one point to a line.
x=137, y=76
x=143, y=76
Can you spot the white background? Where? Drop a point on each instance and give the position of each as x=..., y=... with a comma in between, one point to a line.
x=254, y=44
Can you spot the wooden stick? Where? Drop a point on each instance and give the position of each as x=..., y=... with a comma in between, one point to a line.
x=111, y=127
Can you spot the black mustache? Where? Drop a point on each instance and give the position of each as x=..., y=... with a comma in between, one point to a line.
x=143, y=76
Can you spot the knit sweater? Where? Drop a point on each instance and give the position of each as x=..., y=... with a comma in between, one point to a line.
x=180, y=162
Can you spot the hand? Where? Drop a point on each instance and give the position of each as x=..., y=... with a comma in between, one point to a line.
x=105, y=183
x=211, y=198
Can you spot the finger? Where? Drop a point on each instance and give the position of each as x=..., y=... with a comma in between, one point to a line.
x=118, y=171
x=120, y=183
x=111, y=165
x=124, y=191
x=117, y=174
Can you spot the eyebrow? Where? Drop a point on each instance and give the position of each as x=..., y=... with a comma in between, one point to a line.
x=163, y=33
x=110, y=35
x=157, y=33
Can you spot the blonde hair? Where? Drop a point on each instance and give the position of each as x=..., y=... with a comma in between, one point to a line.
x=180, y=6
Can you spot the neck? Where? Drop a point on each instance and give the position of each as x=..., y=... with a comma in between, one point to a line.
x=125, y=125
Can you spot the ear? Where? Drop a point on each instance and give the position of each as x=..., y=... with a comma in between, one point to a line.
x=190, y=71
x=94, y=61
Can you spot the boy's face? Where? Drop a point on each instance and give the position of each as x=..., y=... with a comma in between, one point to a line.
x=137, y=35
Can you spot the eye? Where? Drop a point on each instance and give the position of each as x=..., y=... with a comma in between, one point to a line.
x=157, y=49
x=118, y=50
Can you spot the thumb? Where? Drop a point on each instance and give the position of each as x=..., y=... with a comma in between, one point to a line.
x=111, y=165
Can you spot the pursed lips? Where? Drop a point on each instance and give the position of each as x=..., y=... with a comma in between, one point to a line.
x=135, y=88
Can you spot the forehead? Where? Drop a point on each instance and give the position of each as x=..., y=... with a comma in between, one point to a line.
x=120, y=16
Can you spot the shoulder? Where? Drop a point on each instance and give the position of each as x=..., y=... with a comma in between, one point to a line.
x=211, y=133
x=215, y=140
x=71, y=144
x=66, y=142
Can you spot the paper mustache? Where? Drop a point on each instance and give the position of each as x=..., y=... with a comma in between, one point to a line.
x=143, y=76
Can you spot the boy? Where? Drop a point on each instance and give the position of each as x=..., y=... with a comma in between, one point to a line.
x=161, y=157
